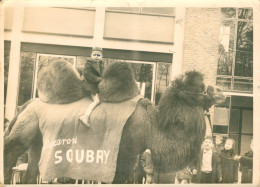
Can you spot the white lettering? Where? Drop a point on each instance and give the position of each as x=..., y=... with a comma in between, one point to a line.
x=81, y=156
x=74, y=140
x=90, y=156
x=58, y=142
x=68, y=141
x=106, y=155
x=69, y=155
x=54, y=143
x=99, y=156
x=58, y=157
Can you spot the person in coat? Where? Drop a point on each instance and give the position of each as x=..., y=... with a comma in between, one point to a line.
x=246, y=165
x=92, y=75
x=219, y=144
x=228, y=165
x=143, y=169
x=207, y=168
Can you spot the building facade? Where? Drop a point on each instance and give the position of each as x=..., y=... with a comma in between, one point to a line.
x=160, y=43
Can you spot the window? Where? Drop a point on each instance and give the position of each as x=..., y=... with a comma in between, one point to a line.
x=222, y=117
x=235, y=60
x=162, y=79
x=152, y=77
x=26, y=77
x=163, y=11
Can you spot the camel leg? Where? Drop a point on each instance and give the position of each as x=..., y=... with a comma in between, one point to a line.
x=34, y=154
x=20, y=138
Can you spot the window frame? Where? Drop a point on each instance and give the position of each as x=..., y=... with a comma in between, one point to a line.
x=140, y=11
x=233, y=77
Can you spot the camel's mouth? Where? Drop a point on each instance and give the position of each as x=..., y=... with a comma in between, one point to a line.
x=216, y=94
x=220, y=98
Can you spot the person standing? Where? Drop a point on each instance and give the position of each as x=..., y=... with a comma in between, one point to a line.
x=219, y=144
x=207, y=168
x=143, y=169
x=246, y=165
x=228, y=165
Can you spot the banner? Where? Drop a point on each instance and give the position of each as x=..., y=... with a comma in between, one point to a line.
x=70, y=149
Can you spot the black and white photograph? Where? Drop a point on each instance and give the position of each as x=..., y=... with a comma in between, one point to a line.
x=130, y=92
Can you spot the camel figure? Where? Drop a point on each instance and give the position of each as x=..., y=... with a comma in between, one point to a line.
x=173, y=130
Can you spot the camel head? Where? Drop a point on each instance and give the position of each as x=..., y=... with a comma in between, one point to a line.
x=213, y=96
x=190, y=89
x=181, y=120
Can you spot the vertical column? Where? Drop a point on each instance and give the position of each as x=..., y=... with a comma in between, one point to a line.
x=14, y=65
x=256, y=97
x=99, y=26
x=1, y=86
x=178, y=42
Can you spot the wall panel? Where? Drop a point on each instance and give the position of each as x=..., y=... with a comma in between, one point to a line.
x=61, y=21
x=8, y=18
x=139, y=27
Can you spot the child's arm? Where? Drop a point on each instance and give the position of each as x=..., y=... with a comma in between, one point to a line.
x=244, y=160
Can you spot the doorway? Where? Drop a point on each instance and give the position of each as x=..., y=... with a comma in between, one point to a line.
x=234, y=119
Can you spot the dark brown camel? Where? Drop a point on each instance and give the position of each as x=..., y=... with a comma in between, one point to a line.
x=173, y=131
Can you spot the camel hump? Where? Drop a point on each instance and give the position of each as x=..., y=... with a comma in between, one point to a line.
x=59, y=83
x=118, y=83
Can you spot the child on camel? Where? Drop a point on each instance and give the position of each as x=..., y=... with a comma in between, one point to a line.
x=92, y=75
x=246, y=165
x=228, y=165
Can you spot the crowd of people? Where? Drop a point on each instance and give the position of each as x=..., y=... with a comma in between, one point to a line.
x=217, y=163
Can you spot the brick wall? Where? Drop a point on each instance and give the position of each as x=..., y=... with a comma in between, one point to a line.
x=200, y=50
x=201, y=42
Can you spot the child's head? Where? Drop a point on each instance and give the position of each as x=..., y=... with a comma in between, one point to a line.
x=252, y=145
x=219, y=139
x=229, y=144
x=97, y=54
x=207, y=143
